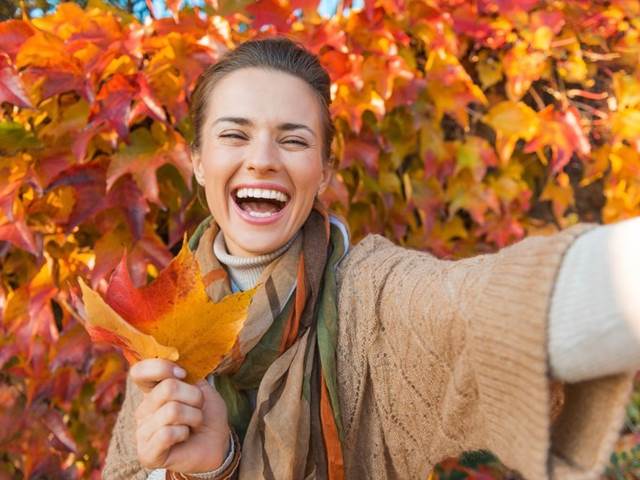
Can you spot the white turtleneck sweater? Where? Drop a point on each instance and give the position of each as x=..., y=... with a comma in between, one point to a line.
x=594, y=320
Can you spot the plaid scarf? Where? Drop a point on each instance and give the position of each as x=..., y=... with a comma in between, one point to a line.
x=286, y=350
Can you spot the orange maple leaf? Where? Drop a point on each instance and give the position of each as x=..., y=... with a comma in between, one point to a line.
x=171, y=318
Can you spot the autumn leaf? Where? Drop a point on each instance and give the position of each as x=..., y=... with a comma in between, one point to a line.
x=558, y=190
x=489, y=70
x=511, y=121
x=522, y=66
x=149, y=150
x=561, y=132
x=13, y=33
x=450, y=87
x=170, y=318
x=105, y=325
x=10, y=85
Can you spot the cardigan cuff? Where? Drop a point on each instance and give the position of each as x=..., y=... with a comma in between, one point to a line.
x=514, y=379
x=223, y=472
x=591, y=330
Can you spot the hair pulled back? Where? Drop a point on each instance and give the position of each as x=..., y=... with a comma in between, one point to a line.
x=279, y=54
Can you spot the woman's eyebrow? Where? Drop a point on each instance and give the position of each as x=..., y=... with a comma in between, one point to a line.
x=236, y=120
x=285, y=127
x=295, y=126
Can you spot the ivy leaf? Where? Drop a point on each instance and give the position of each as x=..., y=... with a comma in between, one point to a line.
x=13, y=33
x=511, y=121
x=560, y=193
x=146, y=152
x=19, y=234
x=14, y=137
x=489, y=70
x=113, y=104
x=522, y=66
x=10, y=85
x=561, y=132
x=50, y=66
x=451, y=88
x=270, y=12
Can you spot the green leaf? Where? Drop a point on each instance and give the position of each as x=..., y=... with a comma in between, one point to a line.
x=14, y=137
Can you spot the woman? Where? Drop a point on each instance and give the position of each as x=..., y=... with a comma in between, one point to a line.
x=372, y=361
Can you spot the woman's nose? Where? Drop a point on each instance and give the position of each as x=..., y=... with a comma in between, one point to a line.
x=264, y=157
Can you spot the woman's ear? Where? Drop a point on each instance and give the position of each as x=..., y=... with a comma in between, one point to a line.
x=197, y=167
x=327, y=174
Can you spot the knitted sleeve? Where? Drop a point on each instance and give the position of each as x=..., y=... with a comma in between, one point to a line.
x=595, y=310
x=122, y=460
x=439, y=357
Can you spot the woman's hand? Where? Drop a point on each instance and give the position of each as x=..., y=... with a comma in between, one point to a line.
x=180, y=427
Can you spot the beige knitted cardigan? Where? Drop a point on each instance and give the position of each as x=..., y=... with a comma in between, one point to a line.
x=438, y=357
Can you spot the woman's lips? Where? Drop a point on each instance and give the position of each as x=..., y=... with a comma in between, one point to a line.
x=255, y=220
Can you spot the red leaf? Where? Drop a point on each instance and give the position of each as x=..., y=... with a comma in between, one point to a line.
x=466, y=21
x=359, y=151
x=49, y=166
x=10, y=85
x=81, y=143
x=305, y=5
x=13, y=33
x=507, y=6
x=72, y=348
x=19, y=235
x=54, y=81
x=53, y=420
x=270, y=12
x=149, y=102
x=88, y=182
x=113, y=103
x=562, y=133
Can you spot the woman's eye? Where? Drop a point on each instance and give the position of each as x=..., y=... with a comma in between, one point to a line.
x=295, y=141
x=233, y=135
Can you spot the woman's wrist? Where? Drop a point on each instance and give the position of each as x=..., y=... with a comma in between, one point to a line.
x=224, y=471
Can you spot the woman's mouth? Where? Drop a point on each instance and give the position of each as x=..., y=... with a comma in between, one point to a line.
x=260, y=204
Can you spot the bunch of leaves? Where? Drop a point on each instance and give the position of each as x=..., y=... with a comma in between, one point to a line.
x=462, y=126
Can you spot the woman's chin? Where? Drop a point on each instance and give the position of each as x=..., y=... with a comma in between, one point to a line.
x=256, y=245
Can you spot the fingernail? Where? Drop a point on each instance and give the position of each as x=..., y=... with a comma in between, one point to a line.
x=179, y=372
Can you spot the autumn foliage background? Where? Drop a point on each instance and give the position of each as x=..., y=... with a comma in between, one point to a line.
x=462, y=126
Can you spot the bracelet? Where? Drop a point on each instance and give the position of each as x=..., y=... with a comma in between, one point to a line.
x=225, y=474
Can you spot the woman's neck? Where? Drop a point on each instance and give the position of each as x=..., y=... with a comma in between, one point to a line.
x=245, y=271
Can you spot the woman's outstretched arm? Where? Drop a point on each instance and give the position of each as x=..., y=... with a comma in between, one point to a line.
x=438, y=357
x=595, y=311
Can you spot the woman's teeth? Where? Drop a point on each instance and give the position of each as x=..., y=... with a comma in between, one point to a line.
x=260, y=214
x=261, y=202
x=262, y=193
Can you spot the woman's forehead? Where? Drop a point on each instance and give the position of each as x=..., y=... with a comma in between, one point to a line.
x=264, y=96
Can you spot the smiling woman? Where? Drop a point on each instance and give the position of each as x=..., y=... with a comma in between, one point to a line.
x=261, y=157
x=372, y=361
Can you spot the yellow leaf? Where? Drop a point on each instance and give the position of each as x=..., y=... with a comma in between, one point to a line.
x=489, y=71
x=511, y=121
x=105, y=325
x=177, y=312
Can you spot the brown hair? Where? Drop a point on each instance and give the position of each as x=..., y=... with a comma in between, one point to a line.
x=280, y=54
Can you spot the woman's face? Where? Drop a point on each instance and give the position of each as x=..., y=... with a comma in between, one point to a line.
x=260, y=159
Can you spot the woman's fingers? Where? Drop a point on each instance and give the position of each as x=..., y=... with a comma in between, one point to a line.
x=171, y=413
x=153, y=451
x=147, y=373
x=166, y=391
